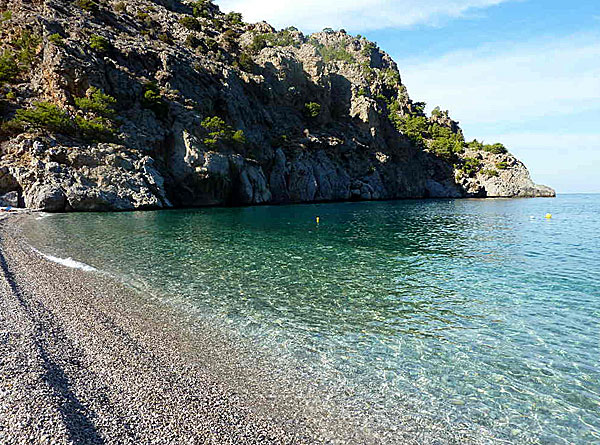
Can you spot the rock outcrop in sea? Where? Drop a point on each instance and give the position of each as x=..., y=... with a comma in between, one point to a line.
x=111, y=105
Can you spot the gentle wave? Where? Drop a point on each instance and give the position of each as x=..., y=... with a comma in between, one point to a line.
x=67, y=262
x=44, y=216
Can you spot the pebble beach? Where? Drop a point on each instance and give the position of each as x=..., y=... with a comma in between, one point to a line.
x=81, y=361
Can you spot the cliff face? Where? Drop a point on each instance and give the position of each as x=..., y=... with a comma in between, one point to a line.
x=154, y=104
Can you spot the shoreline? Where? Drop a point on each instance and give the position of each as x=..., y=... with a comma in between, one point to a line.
x=92, y=359
x=86, y=360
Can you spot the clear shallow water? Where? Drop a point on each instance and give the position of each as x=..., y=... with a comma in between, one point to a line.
x=481, y=311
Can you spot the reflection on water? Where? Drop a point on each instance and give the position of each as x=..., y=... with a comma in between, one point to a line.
x=481, y=309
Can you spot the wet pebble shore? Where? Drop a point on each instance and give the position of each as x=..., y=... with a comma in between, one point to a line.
x=82, y=361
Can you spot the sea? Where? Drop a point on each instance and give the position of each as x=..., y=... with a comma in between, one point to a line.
x=479, y=313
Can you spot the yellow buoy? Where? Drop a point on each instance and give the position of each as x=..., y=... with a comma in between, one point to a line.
x=318, y=220
x=548, y=215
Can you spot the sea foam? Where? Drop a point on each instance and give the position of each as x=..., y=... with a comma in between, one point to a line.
x=67, y=262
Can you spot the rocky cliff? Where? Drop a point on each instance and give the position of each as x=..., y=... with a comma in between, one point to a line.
x=110, y=105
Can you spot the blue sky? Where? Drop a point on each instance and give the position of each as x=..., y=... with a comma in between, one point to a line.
x=522, y=72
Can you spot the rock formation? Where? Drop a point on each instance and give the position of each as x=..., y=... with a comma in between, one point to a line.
x=166, y=103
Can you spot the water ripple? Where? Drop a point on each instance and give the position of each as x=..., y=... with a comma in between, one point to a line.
x=479, y=312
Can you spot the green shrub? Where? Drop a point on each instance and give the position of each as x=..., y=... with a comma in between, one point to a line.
x=99, y=44
x=445, y=143
x=9, y=68
x=215, y=126
x=312, y=109
x=217, y=24
x=97, y=102
x=146, y=20
x=333, y=52
x=190, y=23
x=13, y=62
x=496, y=148
x=394, y=109
x=419, y=107
x=9, y=129
x=211, y=44
x=11, y=95
x=280, y=141
x=96, y=129
x=282, y=38
x=402, y=93
x=230, y=36
x=436, y=112
x=390, y=77
x=439, y=131
x=368, y=72
x=45, y=116
x=192, y=42
x=219, y=131
x=368, y=49
x=362, y=91
x=470, y=166
x=6, y=15
x=475, y=145
x=446, y=148
x=87, y=5
x=490, y=173
x=27, y=44
x=413, y=127
x=56, y=39
x=153, y=100
x=234, y=18
x=245, y=62
x=502, y=165
x=201, y=8
x=258, y=43
x=165, y=38
x=239, y=137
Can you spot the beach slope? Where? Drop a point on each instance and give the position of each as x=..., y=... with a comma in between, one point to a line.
x=84, y=360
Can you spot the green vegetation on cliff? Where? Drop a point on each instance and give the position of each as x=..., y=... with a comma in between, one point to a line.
x=94, y=125
x=9, y=68
x=153, y=100
x=261, y=41
x=97, y=102
x=217, y=130
x=45, y=116
x=312, y=109
x=19, y=56
x=496, y=148
x=333, y=52
x=99, y=44
x=324, y=116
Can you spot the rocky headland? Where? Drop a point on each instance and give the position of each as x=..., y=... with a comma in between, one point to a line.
x=111, y=105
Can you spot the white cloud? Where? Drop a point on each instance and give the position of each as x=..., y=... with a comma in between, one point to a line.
x=512, y=82
x=355, y=15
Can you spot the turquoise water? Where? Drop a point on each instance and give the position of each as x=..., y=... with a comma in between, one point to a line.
x=482, y=312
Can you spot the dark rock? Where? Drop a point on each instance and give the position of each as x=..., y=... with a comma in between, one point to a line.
x=48, y=197
x=10, y=199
